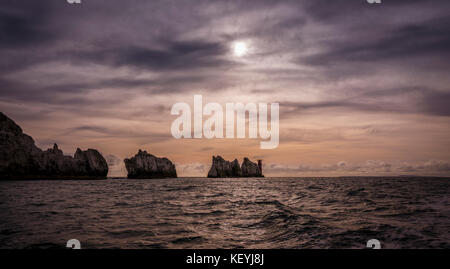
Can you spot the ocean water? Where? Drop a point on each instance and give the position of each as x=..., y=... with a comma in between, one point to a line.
x=227, y=213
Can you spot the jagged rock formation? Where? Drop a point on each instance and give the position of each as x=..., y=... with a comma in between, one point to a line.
x=21, y=159
x=251, y=169
x=236, y=169
x=223, y=168
x=145, y=165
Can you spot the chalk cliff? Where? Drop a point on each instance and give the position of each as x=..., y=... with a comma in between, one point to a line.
x=20, y=158
x=146, y=166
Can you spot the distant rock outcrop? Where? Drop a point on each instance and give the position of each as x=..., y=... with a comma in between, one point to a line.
x=251, y=169
x=146, y=166
x=21, y=159
x=223, y=168
x=236, y=169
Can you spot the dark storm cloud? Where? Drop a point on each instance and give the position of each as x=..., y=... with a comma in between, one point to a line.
x=38, y=23
x=173, y=55
x=25, y=28
x=417, y=99
x=359, y=40
x=25, y=24
x=101, y=131
x=431, y=38
x=74, y=93
x=299, y=106
x=49, y=31
x=398, y=100
x=422, y=99
x=12, y=90
x=337, y=11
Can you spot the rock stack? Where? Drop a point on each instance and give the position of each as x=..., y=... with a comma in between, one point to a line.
x=147, y=166
x=222, y=168
x=251, y=169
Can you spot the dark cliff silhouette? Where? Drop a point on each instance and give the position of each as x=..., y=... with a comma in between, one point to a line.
x=20, y=158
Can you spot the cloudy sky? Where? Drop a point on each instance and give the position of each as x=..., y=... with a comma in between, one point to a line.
x=363, y=88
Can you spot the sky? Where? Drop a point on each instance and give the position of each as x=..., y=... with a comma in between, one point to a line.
x=363, y=88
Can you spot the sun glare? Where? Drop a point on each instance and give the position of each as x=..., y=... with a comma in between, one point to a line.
x=239, y=49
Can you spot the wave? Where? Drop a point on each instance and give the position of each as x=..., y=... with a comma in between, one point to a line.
x=130, y=233
x=188, y=239
x=184, y=188
x=356, y=192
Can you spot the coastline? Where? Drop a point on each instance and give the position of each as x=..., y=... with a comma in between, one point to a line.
x=207, y=178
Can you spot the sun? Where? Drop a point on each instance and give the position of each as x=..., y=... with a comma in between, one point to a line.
x=239, y=48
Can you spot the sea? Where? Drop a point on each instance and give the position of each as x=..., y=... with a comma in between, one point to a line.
x=231, y=213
